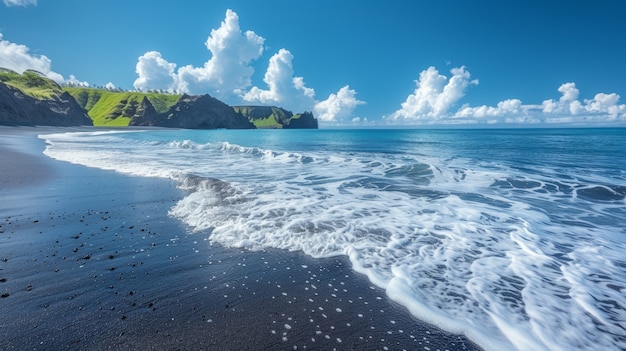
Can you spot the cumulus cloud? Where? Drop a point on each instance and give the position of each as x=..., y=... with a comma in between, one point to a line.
x=154, y=72
x=73, y=81
x=603, y=108
x=337, y=106
x=289, y=91
x=109, y=86
x=506, y=107
x=20, y=2
x=434, y=95
x=232, y=52
x=18, y=58
x=601, y=105
x=283, y=88
x=226, y=73
x=433, y=100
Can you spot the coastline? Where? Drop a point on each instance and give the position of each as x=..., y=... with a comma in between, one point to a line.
x=90, y=259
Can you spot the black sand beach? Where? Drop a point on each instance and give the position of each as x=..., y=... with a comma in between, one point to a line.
x=90, y=260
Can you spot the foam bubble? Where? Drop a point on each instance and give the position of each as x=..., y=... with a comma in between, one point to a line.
x=514, y=257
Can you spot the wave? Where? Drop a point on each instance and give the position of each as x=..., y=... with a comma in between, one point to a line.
x=515, y=259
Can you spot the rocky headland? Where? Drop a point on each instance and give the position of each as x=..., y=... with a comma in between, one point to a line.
x=32, y=99
x=191, y=112
x=276, y=117
x=44, y=105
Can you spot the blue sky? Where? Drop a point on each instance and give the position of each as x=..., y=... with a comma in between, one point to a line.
x=353, y=63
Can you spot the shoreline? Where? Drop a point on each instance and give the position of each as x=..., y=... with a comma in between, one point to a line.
x=90, y=259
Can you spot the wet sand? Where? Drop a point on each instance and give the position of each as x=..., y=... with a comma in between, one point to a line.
x=89, y=259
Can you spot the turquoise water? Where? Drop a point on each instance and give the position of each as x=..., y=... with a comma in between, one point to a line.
x=516, y=238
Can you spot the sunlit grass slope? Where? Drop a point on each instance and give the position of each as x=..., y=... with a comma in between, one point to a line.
x=267, y=117
x=32, y=83
x=115, y=108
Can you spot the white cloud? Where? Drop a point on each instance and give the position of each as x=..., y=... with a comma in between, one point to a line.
x=568, y=103
x=291, y=93
x=569, y=91
x=109, y=86
x=605, y=103
x=20, y=2
x=154, y=72
x=18, y=58
x=506, y=107
x=226, y=73
x=434, y=95
x=603, y=107
x=283, y=88
x=73, y=81
x=338, y=106
x=233, y=51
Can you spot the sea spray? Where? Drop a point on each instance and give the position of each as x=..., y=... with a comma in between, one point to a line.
x=516, y=247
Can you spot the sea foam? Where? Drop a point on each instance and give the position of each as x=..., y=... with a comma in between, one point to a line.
x=514, y=257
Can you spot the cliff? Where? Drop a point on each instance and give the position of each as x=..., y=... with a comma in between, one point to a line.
x=276, y=117
x=304, y=120
x=192, y=112
x=31, y=99
x=116, y=108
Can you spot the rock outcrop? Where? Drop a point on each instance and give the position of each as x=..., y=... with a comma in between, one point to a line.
x=17, y=108
x=192, y=112
x=276, y=117
x=145, y=109
x=302, y=121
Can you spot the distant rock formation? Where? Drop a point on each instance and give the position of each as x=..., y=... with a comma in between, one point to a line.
x=276, y=117
x=191, y=112
x=145, y=109
x=17, y=108
x=30, y=98
x=304, y=120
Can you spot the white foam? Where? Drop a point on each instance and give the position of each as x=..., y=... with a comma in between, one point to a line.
x=483, y=249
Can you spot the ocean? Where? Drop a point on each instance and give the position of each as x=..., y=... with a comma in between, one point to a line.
x=515, y=238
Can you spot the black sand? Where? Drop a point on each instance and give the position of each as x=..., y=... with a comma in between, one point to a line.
x=90, y=260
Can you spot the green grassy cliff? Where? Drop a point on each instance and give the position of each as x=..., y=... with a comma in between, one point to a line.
x=32, y=83
x=116, y=108
x=272, y=117
x=32, y=99
x=267, y=117
x=113, y=108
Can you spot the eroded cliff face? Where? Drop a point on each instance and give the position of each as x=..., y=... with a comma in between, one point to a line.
x=147, y=110
x=17, y=108
x=302, y=121
x=277, y=117
x=192, y=112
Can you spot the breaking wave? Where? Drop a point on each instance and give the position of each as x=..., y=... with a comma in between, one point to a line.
x=514, y=256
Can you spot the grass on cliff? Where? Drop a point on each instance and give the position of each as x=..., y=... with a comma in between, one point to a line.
x=270, y=121
x=115, y=108
x=266, y=123
x=32, y=83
